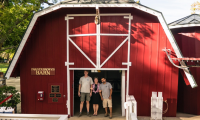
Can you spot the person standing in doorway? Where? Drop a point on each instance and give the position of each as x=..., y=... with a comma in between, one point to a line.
x=105, y=91
x=95, y=96
x=85, y=91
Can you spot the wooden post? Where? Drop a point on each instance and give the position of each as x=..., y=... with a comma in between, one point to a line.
x=4, y=82
x=1, y=74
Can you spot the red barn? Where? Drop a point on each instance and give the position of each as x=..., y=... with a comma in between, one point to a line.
x=187, y=34
x=123, y=41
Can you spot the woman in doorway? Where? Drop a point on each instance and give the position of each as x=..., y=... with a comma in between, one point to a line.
x=95, y=96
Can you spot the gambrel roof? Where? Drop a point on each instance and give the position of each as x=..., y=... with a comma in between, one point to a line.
x=97, y=1
x=188, y=21
x=94, y=4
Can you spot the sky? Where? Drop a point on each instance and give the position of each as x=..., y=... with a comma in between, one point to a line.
x=171, y=9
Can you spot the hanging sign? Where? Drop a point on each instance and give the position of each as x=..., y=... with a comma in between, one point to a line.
x=42, y=71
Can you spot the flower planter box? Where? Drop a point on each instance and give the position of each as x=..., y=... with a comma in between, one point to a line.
x=9, y=110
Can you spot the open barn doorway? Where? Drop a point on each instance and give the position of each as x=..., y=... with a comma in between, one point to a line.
x=112, y=76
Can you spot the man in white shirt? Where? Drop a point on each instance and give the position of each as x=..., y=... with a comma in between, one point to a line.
x=85, y=91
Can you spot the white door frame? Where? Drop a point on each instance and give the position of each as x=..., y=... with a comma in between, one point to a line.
x=123, y=91
x=123, y=87
x=97, y=66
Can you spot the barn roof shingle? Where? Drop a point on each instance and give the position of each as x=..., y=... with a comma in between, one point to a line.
x=191, y=20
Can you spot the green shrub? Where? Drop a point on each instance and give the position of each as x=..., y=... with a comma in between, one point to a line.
x=1, y=58
x=6, y=91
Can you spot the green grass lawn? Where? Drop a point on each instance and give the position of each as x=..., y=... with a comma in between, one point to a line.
x=3, y=67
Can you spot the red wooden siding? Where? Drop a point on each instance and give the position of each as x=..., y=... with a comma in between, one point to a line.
x=46, y=48
x=150, y=70
x=88, y=46
x=189, y=41
x=108, y=45
x=82, y=25
x=114, y=25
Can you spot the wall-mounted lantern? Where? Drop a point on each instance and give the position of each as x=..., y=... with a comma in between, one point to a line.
x=97, y=19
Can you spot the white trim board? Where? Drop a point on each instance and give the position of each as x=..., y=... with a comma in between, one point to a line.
x=33, y=116
x=181, y=26
x=123, y=93
x=134, y=5
x=97, y=69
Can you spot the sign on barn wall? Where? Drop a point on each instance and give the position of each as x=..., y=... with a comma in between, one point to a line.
x=42, y=71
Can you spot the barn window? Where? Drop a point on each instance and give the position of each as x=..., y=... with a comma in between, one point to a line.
x=55, y=99
x=55, y=88
x=51, y=95
x=58, y=95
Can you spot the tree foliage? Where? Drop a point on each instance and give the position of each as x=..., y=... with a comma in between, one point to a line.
x=15, y=16
x=195, y=7
x=6, y=91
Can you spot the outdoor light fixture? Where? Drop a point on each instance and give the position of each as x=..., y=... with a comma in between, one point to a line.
x=96, y=71
x=97, y=20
